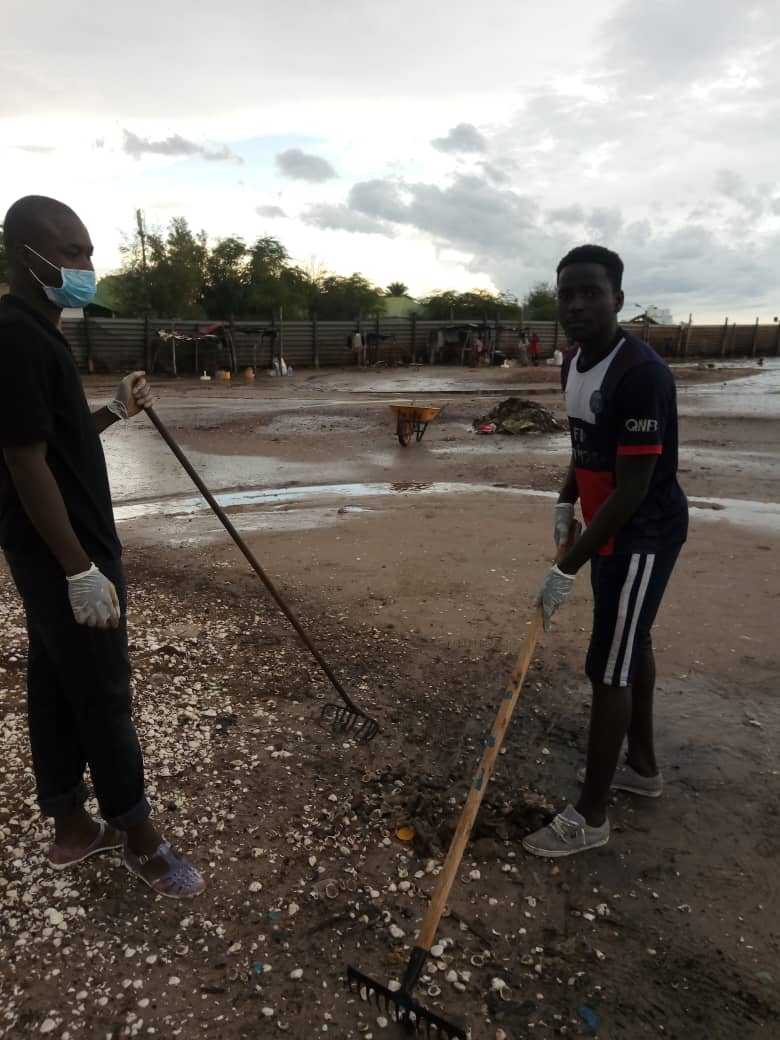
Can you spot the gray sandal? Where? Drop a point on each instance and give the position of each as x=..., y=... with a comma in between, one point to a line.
x=180, y=881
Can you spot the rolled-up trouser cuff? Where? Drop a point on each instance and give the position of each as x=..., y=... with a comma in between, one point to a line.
x=132, y=818
x=63, y=804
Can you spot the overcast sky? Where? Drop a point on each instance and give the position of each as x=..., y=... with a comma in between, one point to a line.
x=444, y=144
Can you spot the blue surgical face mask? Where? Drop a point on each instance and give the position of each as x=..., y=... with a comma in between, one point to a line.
x=77, y=289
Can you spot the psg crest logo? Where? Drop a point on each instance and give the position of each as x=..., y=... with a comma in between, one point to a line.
x=596, y=402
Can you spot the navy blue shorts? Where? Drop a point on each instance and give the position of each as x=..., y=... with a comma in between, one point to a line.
x=627, y=592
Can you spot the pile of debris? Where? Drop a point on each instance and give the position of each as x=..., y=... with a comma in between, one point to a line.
x=515, y=415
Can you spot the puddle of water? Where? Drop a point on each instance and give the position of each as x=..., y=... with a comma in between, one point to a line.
x=743, y=513
x=755, y=396
x=140, y=465
x=182, y=506
x=762, y=516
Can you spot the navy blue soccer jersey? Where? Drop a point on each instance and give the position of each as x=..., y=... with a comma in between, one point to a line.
x=626, y=404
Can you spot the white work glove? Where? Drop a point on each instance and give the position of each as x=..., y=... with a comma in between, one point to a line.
x=554, y=591
x=93, y=599
x=132, y=395
x=564, y=518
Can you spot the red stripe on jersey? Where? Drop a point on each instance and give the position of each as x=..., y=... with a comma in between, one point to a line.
x=595, y=487
x=640, y=449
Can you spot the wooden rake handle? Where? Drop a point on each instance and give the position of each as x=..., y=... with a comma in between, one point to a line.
x=277, y=597
x=484, y=771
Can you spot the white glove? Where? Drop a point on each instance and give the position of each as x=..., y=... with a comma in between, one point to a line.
x=554, y=591
x=564, y=518
x=132, y=395
x=93, y=599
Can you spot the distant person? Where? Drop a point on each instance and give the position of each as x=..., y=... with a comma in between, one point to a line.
x=359, y=346
x=57, y=531
x=533, y=349
x=621, y=403
x=522, y=347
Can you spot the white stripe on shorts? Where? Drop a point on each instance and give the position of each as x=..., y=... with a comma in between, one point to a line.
x=640, y=598
x=622, y=616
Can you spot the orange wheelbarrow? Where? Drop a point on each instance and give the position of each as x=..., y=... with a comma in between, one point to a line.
x=411, y=420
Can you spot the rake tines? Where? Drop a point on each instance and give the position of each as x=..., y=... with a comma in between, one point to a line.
x=341, y=719
x=402, y=1008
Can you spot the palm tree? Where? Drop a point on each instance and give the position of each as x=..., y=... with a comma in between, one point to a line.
x=397, y=289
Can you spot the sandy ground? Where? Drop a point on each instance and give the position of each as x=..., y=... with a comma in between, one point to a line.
x=414, y=569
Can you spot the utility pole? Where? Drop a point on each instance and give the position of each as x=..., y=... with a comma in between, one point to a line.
x=141, y=225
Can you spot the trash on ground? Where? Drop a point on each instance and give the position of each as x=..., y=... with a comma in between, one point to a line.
x=515, y=416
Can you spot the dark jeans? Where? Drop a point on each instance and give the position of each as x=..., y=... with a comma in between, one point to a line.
x=78, y=698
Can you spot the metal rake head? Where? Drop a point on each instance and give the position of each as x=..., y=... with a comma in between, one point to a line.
x=402, y=1008
x=341, y=719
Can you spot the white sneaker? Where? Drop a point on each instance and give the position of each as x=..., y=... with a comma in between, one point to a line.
x=627, y=779
x=566, y=835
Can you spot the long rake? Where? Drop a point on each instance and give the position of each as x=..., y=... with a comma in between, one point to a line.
x=400, y=1004
x=345, y=718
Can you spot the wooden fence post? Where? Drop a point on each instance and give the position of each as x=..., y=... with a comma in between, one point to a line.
x=755, y=340
x=315, y=335
x=687, y=340
x=723, y=337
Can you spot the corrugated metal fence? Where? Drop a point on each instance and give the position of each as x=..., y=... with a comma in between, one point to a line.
x=118, y=345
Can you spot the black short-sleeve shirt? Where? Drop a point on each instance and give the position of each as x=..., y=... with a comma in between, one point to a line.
x=626, y=404
x=42, y=399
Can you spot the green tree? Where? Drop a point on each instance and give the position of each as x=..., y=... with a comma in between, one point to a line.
x=227, y=289
x=476, y=305
x=162, y=275
x=347, y=299
x=541, y=303
x=397, y=289
x=276, y=285
x=179, y=277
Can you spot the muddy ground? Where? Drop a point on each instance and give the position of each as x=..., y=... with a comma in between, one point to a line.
x=414, y=569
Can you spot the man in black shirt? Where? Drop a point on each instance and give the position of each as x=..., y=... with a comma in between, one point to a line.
x=57, y=531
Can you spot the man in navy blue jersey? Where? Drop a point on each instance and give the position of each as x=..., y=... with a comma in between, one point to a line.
x=621, y=404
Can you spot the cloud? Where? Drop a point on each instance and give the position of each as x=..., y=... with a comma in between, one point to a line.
x=36, y=149
x=343, y=218
x=756, y=202
x=461, y=138
x=467, y=213
x=379, y=198
x=175, y=147
x=499, y=172
x=301, y=166
x=606, y=221
x=671, y=42
x=573, y=214
x=270, y=211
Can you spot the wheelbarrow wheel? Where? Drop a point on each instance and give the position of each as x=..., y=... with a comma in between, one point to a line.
x=404, y=429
